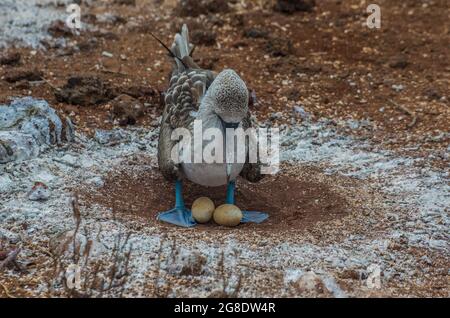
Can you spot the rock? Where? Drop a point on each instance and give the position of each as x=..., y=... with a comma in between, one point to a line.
x=126, y=110
x=59, y=28
x=109, y=18
x=399, y=62
x=304, y=282
x=11, y=58
x=188, y=263
x=255, y=33
x=39, y=192
x=299, y=110
x=203, y=37
x=107, y=54
x=432, y=94
x=309, y=281
x=291, y=6
x=23, y=74
x=60, y=45
x=27, y=125
x=109, y=136
x=194, y=8
x=6, y=184
x=228, y=215
x=311, y=284
x=203, y=209
x=351, y=274
x=139, y=91
x=331, y=287
x=439, y=244
x=85, y=91
x=278, y=47
x=215, y=20
x=24, y=84
x=88, y=45
x=105, y=34
x=398, y=87
x=125, y=2
x=427, y=260
x=276, y=116
x=70, y=161
x=294, y=94
x=11, y=237
x=96, y=182
x=311, y=69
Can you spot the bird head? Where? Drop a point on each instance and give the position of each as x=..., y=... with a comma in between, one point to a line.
x=229, y=96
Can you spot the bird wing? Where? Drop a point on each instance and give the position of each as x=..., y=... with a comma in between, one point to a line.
x=188, y=85
x=185, y=93
x=182, y=101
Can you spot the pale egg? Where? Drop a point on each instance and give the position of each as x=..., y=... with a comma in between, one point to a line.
x=203, y=209
x=228, y=215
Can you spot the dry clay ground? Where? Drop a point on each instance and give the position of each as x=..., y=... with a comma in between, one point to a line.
x=364, y=117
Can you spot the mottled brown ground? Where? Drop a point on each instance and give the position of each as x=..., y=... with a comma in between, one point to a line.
x=326, y=60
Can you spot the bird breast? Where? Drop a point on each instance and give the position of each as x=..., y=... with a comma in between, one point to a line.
x=210, y=174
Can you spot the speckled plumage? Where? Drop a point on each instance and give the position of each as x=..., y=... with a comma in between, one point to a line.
x=193, y=91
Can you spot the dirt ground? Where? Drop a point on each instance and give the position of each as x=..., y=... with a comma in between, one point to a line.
x=295, y=203
x=324, y=60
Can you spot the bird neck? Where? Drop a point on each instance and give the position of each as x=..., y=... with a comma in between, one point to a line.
x=207, y=114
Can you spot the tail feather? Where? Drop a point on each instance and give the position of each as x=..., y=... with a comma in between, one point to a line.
x=185, y=36
x=181, y=47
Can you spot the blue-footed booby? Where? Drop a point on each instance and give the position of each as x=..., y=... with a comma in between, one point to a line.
x=219, y=101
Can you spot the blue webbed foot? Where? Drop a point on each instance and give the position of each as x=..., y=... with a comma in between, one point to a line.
x=248, y=216
x=179, y=216
x=254, y=217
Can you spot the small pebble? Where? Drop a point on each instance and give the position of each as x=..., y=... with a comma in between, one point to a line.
x=398, y=88
x=39, y=192
x=107, y=54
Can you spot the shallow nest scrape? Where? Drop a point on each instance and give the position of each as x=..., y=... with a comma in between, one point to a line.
x=297, y=199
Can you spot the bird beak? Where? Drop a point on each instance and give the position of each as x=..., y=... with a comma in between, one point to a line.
x=230, y=125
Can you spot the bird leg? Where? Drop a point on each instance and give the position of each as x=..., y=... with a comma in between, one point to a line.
x=230, y=192
x=179, y=215
x=248, y=216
